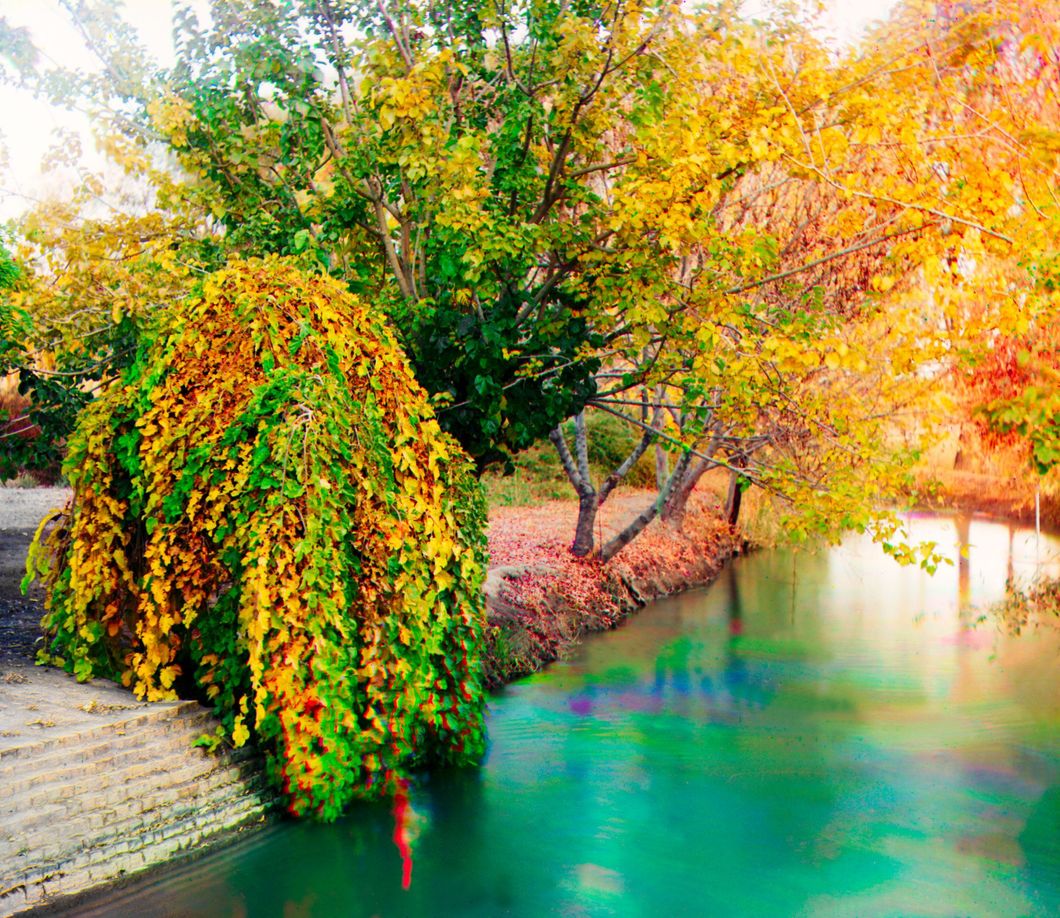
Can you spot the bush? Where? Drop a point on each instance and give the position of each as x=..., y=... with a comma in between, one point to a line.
x=1033, y=604
x=266, y=513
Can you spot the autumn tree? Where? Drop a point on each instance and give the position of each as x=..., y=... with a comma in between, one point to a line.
x=437, y=161
x=766, y=340
x=1016, y=384
x=931, y=158
x=984, y=154
x=89, y=285
x=467, y=164
x=266, y=514
x=704, y=226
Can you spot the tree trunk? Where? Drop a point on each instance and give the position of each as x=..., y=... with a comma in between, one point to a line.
x=960, y=458
x=734, y=499
x=736, y=481
x=635, y=528
x=662, y=467
x=577, y=469
x=674, y=509
x=584, y=541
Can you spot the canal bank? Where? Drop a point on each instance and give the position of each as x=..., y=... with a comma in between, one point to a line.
x=542, y=600
x=96, y=785
x=125, y=775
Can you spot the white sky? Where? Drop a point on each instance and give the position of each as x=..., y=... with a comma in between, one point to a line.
x=28, y=128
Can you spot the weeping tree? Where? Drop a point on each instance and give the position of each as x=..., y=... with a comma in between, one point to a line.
x=266, y=514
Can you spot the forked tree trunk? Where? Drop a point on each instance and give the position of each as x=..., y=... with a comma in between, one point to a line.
x=577, y=468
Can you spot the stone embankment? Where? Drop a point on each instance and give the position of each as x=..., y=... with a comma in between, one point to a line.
x=95, y=785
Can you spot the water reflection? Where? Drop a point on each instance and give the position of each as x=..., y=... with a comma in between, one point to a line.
x=820, y=734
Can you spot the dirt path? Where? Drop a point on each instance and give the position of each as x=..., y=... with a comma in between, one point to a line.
x=21, y=510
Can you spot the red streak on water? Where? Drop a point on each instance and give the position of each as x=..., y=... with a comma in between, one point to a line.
x=401, y=839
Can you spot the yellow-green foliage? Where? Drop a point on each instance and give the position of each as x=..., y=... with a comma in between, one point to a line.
x=267, y=509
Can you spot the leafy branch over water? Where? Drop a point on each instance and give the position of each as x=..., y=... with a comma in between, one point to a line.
x=1036, y=604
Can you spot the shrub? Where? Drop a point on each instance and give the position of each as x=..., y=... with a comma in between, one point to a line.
x=267, y=513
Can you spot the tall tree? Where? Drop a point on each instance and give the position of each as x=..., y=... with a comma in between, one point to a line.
x=597, y=204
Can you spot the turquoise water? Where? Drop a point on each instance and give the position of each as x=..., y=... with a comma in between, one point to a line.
x=816, y=734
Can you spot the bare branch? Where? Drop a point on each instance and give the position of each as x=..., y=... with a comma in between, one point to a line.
x=580, y=484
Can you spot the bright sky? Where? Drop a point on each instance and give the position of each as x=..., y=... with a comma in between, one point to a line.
x=29, y=128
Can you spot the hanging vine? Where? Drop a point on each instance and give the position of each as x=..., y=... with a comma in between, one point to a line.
x=267, y=514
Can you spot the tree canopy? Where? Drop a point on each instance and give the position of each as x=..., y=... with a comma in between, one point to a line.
x=764, y=254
